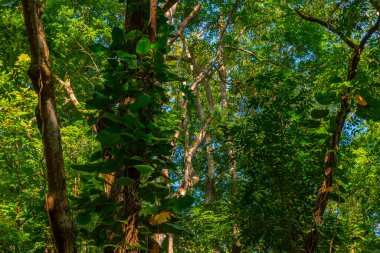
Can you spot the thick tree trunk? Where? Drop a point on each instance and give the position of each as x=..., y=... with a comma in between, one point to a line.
x=42, y=78
x=135, y=15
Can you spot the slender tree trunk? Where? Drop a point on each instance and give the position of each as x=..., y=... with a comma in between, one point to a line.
x=312, y=238
x=210, y=181
x=209, y=184
x=42, y=78
x=236, y=247
x=170, y=243
x=210, y=171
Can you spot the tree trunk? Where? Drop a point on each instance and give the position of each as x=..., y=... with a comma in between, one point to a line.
x=170, y=243
x=48, y=122
x=210, y=171
x=324, y=189
x=236, y=247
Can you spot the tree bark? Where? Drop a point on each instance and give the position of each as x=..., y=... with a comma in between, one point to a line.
x=170, y=243
x=42, y=78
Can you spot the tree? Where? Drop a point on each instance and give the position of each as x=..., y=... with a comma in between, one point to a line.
x=191, y=122
x=48, y=122
x=341, y=115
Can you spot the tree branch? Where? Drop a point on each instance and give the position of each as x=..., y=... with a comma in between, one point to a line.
x=370, y=33
x=254, y=55
x=184, y=24
x=328, y=25
x=223, y=30
x=67, y=85
x=204, y=73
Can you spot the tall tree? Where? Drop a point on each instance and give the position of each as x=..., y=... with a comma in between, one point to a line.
x=43, y=82
x=341, y=116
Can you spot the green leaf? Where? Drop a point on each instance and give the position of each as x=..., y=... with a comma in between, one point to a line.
x=319, y=114
x=175, y=229
x=287, y=72
x=311, y=123
x=83, y=220
x=149, y=210
x=109, y=139
x=132, y=35
x=143, y=46
x=183, y=203
x=141, y=101
x=88, y=167
x=117, y=35
x=144, y=169
x=98, y=48
x=130, y=118
x=124, y=55
x=140, y=247
x=325, y=98
x=125, y=181
x=368, y=113
x=114, y=118
x=96, y=156
x=177, y=204
x=332, y=125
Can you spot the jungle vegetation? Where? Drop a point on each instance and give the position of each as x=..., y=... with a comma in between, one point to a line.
x=220, y=126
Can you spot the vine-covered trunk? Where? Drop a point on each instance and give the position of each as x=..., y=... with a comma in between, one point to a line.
x=42, y=77
x=331, y=155
x=135, y=17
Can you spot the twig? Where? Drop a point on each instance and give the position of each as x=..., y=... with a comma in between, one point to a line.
x=254, y=55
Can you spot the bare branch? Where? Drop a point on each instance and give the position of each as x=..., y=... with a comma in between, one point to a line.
x=184, y=24
x=67, y=85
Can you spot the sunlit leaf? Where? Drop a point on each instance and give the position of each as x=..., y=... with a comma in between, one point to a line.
x=162, y=217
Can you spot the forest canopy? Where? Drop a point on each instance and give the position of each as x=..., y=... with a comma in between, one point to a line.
x=220, y=126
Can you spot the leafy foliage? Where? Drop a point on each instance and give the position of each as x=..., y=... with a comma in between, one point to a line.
x=284, y=82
